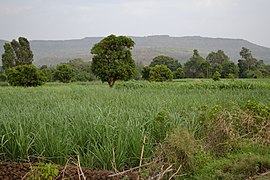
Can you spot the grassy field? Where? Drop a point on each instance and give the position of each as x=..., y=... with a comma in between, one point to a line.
x=106, y=126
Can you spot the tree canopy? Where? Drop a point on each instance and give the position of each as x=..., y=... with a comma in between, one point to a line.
x=197, y=66
x=112, y=59
x=17, y=53
x=160, y=73
x=171, y=63
x=250, y=67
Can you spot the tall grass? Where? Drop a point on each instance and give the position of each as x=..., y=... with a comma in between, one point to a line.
x=104, y=125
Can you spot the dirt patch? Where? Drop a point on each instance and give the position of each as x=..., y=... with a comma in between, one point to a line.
x=18, y=171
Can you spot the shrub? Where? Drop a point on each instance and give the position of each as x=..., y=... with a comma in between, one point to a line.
x=231, y=76
x=179, y=73
x=177, y=151
x=64, y=73
x=3, y=78
x=160, y=73
x=216, y=76
x=146, y=72
x=25, y=75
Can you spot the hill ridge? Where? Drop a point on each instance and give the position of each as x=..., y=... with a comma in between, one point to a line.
x=52, y=52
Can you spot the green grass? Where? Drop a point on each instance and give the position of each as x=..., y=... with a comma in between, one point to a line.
x=61, y=121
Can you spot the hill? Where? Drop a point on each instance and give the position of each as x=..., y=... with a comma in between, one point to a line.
x=51, y=52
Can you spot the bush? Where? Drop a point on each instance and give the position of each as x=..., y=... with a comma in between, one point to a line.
x=64, y=73
x=179, y=73
x=3, y=78
x=160, y=73
x=216, y=76
x=25, y=75
x=178, y=151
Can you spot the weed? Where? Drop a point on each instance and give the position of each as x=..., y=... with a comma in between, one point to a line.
x=44, y=172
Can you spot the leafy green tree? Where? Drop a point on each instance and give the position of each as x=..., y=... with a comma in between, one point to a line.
x=220, y=62
x=112, y=59
x=217, y=57
x=3, y=77
x=146, y=72
x=160, y=73
x=171, y=63
x=64, y=73
x=17, y=53
x=250, y=67
x=83, y=70
x=48, y=73
x=25, y=75
x=8, y=57
x=229, y=67
x=216, y=76
x=197, y=66
x=179, y=73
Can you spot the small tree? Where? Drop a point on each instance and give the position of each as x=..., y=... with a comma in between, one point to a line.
x=64, y=73
x=25, y=75
x=160, y=73
x=146, y=72
x=171, y=63
x=216, y=76
x=179, y=73
x=112, y=59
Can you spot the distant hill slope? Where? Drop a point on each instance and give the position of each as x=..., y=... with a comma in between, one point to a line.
x=51, y=52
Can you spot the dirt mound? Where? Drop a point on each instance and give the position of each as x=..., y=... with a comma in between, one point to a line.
x=14, y=171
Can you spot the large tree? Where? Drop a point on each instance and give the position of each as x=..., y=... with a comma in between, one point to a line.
x=220, y=62
x=171, y=63
x=17, y=53
x=197, y=66
x=112, y=59
x=250, y=67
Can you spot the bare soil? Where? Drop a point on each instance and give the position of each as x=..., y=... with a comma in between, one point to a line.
x=18, y=171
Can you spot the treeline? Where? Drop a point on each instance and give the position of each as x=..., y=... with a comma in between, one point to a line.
x=18, y=70
x=198, y=67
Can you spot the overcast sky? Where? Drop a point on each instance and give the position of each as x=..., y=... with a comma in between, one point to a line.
x=76, y=19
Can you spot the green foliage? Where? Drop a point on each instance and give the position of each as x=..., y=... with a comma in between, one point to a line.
x=83, y=70
x=217, y=57
x=17, y=53
x=179, y=73
x=146, y=72
x=250, y=67
x=3, y=77
x=177, y=150
x=216, y=76
x=44, y=172
x=112, y=59
x=239, y=166
x=160, y=126
x=160, y=73
x=197, y=67
x=48, y=73
x=231, y=76
x=171, y=63
x=25, y=75
x=8, y=57
x=64, y=73
x=259, y=109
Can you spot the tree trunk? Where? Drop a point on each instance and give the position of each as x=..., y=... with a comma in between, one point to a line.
x=111, y=83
